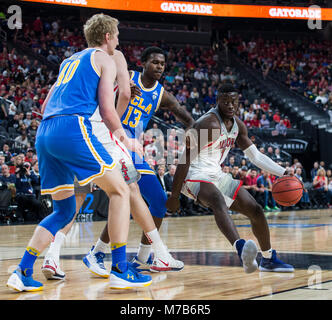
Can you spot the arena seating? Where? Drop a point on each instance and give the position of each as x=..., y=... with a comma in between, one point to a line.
x=193, y=75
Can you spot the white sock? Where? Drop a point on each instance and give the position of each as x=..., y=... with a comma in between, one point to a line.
x=56, y=245
x=144, y=251
x=100, y=246
x=156, y=242
x=267, y=254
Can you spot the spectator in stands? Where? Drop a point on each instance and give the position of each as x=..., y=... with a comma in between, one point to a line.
x=32, y=129
x=28, y=119
x=322, y=98
x=255, y=123
x=313, y=172
x=329, y=194
x=243, y=173
x=270, y=152
x=7, y=187
x=243, y=162
x=270, y=116
x=277, y=156
x=231, y=162
x=265, y=123
x=250, y=182
x=320, y=186
x=264, y=105
x=22, y=141
x=194, y=94
x=161, y=176
x=322, y=164
x=276, y=116
x=236, y=172
x=25, y=197
x=199, y=74
x=264, y=186
x=29, y=155
x=6, y=177
x=26, y=104
x=304, y=202
x=226, y=169
x=281, y=128
x=52, y=57
x=168, y=178
x=196, y=112
x=329, y=175
x=35, y=182
x=287, y=122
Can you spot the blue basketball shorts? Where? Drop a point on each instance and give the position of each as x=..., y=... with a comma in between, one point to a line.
x=150, y=187
x=67, y=148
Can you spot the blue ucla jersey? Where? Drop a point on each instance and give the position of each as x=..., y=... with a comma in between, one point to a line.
x=140, y=109
x=76, y=88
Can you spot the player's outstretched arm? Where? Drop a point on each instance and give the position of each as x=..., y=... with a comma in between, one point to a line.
x=169, y=102
x=254, y=155
x=199, y=136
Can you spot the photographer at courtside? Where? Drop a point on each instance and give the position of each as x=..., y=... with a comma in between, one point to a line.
x=25, y=196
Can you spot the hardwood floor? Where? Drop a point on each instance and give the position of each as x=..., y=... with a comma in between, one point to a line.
x=212, y=268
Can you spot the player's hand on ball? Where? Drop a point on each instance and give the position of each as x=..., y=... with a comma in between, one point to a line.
x=173, y=204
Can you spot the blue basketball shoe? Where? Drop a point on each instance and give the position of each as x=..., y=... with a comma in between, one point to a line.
x=140, y=266
x=247, y=251
x=129, y=279
x=95, y=263
x=274, y=264
x=23, y=281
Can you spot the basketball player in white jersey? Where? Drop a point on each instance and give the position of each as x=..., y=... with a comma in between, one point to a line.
x=199, y=176
x=94, y=260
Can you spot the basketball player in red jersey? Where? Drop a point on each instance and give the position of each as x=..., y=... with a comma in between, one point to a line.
x=199, y=176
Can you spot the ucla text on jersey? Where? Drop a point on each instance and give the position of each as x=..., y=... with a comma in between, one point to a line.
x=141, y=108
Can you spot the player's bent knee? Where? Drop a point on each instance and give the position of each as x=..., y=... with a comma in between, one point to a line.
x=134, y=189
x=121, y=190
x=63, y=213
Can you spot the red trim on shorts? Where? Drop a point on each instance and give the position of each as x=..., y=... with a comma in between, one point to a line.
x=188, y=190
x=117, y=143
x=237, y=190
x=197, y=181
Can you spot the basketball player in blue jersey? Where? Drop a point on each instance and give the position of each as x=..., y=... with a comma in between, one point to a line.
x=67, y=148
x=139, y=210
x=135, y=118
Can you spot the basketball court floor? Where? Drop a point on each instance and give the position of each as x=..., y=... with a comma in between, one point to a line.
x=212, y=269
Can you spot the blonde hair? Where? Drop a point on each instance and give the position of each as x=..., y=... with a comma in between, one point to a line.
x=96, y=28
x=321, y=170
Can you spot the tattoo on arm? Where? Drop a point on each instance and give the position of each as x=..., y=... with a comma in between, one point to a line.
x=170, y=103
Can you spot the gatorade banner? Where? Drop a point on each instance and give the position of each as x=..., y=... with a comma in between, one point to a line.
x=203, y=9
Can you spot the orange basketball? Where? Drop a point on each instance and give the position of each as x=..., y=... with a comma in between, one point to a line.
x=287, y=191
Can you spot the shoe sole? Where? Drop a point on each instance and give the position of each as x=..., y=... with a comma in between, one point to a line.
x=248, y=256
x=283, y=270
x=16, y=284
x=87, y=264
x=157, y=269
x=119, y=284
x=51, y=275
